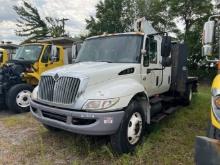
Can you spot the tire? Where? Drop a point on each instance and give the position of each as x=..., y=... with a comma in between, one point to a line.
x=18, y=98
x=187, y=98
x=126, y=138
x=50, y=128
x=211, y=130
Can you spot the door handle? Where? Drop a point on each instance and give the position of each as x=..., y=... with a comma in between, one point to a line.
x=157, y=80
x=149, y=71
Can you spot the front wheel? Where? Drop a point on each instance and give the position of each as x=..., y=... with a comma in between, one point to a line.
x=130, y=132
x=18, y=98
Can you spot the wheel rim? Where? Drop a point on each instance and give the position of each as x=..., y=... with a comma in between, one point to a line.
x=190, y=95
x=23, y=98
x=134, y=128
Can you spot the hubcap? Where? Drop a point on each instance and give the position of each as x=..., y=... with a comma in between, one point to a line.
x=134, y=128
x=23, y=98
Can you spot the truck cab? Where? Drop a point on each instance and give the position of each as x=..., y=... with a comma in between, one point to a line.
x=120, y=84
x=7, y=51
x=3, y=57
x=22, y=73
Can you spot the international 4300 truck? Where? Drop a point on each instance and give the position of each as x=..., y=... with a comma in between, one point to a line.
x=119, y=85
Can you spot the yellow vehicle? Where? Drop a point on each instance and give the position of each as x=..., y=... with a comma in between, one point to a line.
x=208, y=148
x=3, y=57
x=7, y=50
x=20, y=75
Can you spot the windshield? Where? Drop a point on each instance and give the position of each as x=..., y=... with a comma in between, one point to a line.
x=114, y=49
x=28, y=52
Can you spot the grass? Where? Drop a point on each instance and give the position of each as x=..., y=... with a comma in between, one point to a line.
x=170, y=142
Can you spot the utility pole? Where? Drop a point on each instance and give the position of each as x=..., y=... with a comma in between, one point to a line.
x=63, y=24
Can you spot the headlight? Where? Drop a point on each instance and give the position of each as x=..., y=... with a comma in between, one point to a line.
x=217, y=101
x=100, y=104
x=34, y=93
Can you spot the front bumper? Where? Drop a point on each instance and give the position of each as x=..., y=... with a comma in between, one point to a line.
x=80, y=122
x=207, y=151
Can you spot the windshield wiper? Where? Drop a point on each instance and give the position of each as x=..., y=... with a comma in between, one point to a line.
x=105, y=61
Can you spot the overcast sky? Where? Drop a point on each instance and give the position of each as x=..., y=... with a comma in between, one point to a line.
x=75, y=10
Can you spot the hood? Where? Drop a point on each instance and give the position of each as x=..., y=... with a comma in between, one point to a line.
x=96, y=72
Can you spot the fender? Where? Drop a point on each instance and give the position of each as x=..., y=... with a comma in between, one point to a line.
x=31, y=78
x=216, y=87
x=126, y=89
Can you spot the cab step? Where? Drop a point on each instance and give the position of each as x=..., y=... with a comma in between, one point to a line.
x=170, y=110
x=168, y=99
x=155, y=100
x=158, y=118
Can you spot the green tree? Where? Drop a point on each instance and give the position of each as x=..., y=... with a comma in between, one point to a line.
x=156, y=11
x=30, y=24
x=54, y=27
x=112, y=16
x=119, y=15
x=190, y=12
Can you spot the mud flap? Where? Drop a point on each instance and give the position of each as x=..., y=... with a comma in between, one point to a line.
x=207, y=151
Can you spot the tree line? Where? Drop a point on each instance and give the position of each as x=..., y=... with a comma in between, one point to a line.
x=184, y=18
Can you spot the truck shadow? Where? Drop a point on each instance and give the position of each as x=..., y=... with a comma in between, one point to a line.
x=98, y=145
x=5, y=113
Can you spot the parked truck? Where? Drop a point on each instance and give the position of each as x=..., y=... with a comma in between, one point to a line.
x=207, y=148
x=120, y=84
x=7, y=50
x=21, y=74
x=3, y=57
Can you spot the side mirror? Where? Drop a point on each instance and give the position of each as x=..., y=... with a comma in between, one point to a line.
x=53, y=53
x=166, y=46
x=78, y=47
x=208, y=32
x=207, y=50
x=143, y=52
x=1, y=57
x=166, y=61
x=74, y=52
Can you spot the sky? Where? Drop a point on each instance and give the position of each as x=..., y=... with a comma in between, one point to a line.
x=75, y=10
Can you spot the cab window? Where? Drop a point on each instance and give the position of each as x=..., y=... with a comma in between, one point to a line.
x=152, y=50
x=57, y=57
x=146, y=56
x=46, y=55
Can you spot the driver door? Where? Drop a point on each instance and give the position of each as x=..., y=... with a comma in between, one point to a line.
x=46, y=62
x=151, y=76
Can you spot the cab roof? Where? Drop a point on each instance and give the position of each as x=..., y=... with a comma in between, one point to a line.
x=1, y=49
x=116, y=34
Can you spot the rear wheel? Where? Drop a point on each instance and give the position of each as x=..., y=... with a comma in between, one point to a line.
x=18, y=98
x=187, y=98
x=130, y=132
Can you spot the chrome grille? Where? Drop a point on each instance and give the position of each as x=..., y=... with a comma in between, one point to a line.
x=64, y=90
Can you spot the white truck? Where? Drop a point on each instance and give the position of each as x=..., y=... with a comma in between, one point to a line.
x=119, y=85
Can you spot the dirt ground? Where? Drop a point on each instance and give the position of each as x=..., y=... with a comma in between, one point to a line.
x=23, y=140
